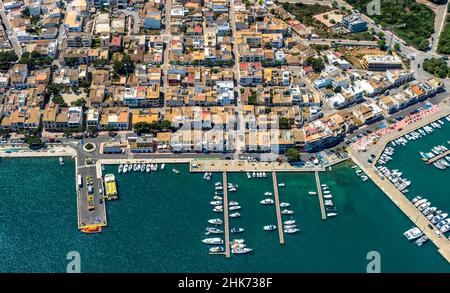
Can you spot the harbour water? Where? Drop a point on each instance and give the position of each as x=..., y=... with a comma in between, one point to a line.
x=159, y=221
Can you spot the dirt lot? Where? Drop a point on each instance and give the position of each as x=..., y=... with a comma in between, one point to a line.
x=354, y=55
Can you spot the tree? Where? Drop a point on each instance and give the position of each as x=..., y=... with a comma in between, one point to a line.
x=34, y=141
x=292, y=155
x=58, y=99
x=124, y=66
x=397, y=47
x=252, y=99
x=316, y=63
x=7, y=59
x=381, y=44
x=436, y=66
x=285, y=123
x=79, y=103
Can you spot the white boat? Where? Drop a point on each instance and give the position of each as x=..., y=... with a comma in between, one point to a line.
x=289, y=222
x=214, y=230
x=216, y=249
x=327, y=196
x=241, y=250
x=248, y=175
x=237, y=230
x=439, y=218
x=218, y=209
x=235, y=215
x=237, y=241
x=163, y=166
x=142, y=167
x=234, y=208
x=269, y=227
x=61, y=161
x=331, y=214
x=290, y=226
x=215, y=203
x=417, y=198
x=413, y=233
x=267, y=193
x=421, y=240
x=287, y=212
x=312, y=193
x=213, y=241
x=233, y=203
x=215, y=221
x=216, y=197
x=291, y=231
x=148, y=168
x=267, y=201
x=281, y=184
x=175, y=171
x=120, y=168
x=284, y=204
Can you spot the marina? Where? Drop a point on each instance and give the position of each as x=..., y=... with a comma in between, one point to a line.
x=225, y=215
x=321, y=201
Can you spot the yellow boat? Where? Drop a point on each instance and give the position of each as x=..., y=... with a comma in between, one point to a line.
x=110, y=186
x=90, y=229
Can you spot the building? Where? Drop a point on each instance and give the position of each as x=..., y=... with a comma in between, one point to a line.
x=141, y=144
x=381, y=62
x=354, y=24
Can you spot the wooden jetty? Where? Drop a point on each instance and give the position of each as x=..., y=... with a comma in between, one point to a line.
x=277, y=206
x=440, y=156
x=319, y=192
x=225, y=215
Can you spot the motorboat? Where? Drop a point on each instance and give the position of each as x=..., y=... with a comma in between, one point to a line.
x=120, y=168
x=439, y=218
x=269, y=227
x=234, y=208
x=289, y=222
x=331, y=215
x=237, y=230
x=267, y=201
x=148, y=168
x=413, y=233
x=281, y=184
x=241, y=250
x=234, y=215
x=421, y=240
x=215, y=221
x=287, y=212
x=213, y=241
x=284, y=204
x=215, y=203
x=216, y=249
x=291, y=230
x=214, y=230
x=233, y=203
x=216, y=197
x=267, y=193
x=312, y=193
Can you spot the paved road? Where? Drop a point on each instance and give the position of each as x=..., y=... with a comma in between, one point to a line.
x=439, y=23
x=11, y=36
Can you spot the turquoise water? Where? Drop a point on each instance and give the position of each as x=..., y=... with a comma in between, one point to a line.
x=159, y=220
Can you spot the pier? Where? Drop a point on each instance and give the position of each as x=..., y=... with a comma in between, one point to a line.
x=225, y=215
x=319, y=193
x=440, y=156
x=97, y=215
x=401, y=201
x=277, y=206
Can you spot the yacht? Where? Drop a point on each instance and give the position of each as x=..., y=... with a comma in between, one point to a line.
x=233, y=203
x=218, y=209
x=148, y=168
x=125, y=168
x=215, y=221
x=213, y=241
x=120, y=169
x=291, y=231
x=413, y=233
x=216, y=197
x=241, y=250
x=248, y=175
x=163, y=166
x=281, y=184
x=417, y=198
x=284, y=204
x=175, y=171
x=290, y=226
x=267, y=201
x=328, y=196
x=269, y=227
x=267, y=193
x=287, y=212
x=237, y=230
x=234, y=208
x=331, y=215
x=61, y=161
x=421, y=201
x=442, y=223
x=445, y=228
x=215, y=202
x=234, y=215
x=312, y=193
x=289, y=222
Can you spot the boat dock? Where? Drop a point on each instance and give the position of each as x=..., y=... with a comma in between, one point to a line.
x=401, y=201
x=91, y=207
x=440, y=156
x=277, y=206
x=319, y=193
x=225, y=215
